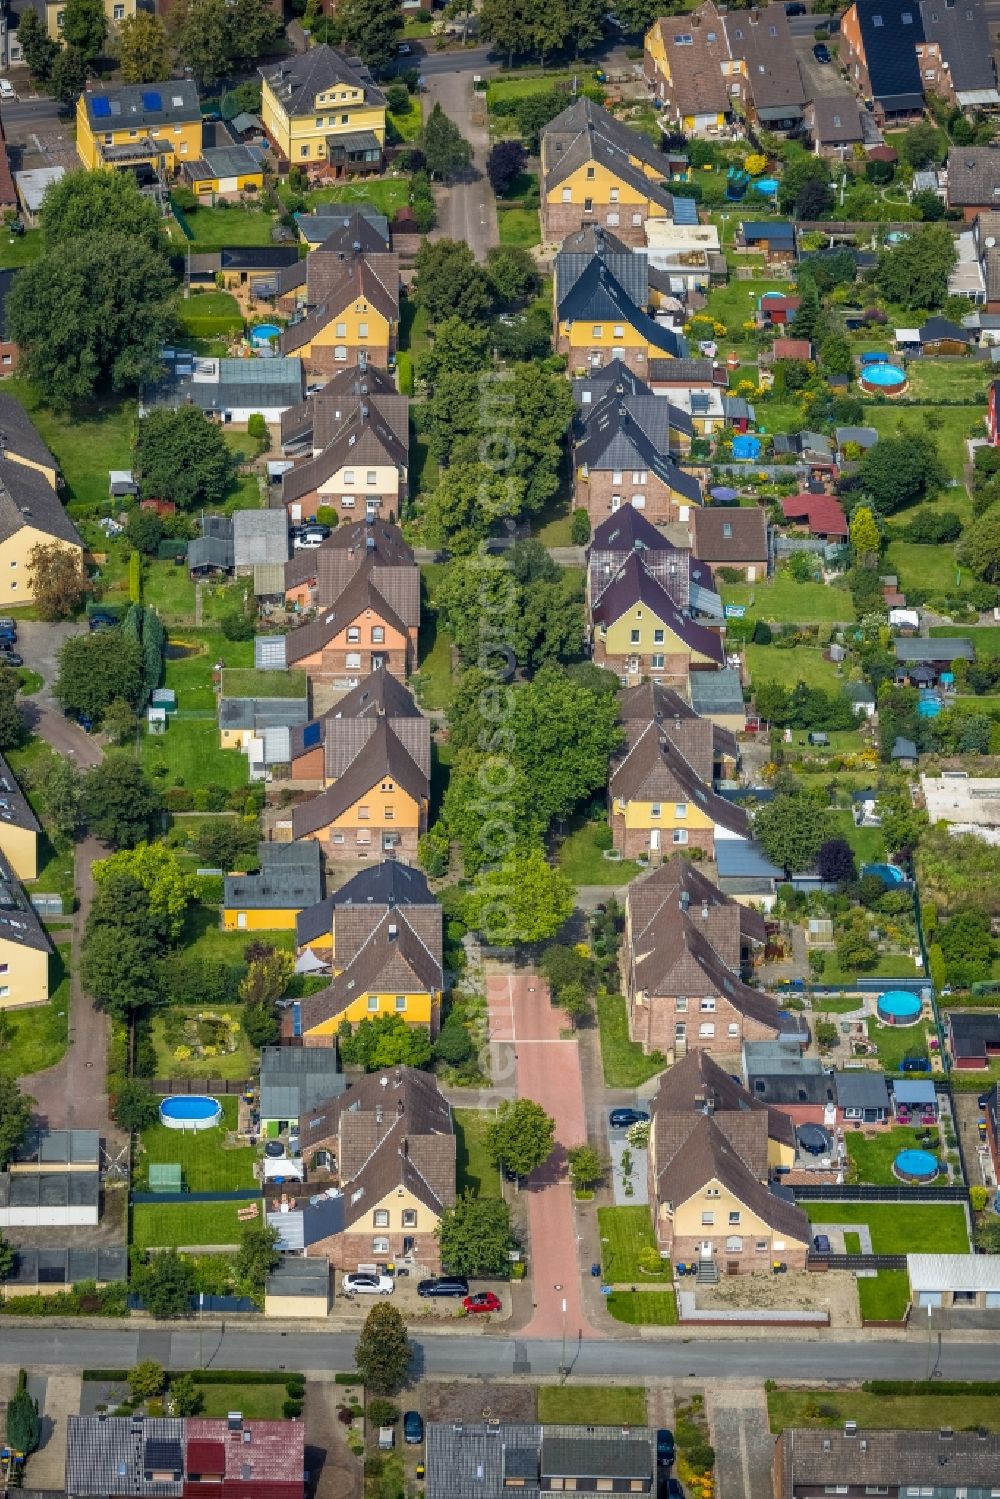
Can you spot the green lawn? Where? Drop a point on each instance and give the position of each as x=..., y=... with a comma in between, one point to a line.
x=949, y=425
x=886, y=966
x=736, y=303
x=920, y=566
x=787, y=602
x=246, y=681
x=203, y=937
x=170, y=590
x=644, y=1308
x=165, y=1225
x=625, y=1063
x=476, y=1172
x=191, y=676
x=832, y=1407
x=585, y=864
x=951, y=379
x=87, y=443
x=207, y=1165
x=383, y=194
x=625, y=1233
x=208, y=313
x=256, y=1402
x=413, y=327
x=530, y=83
x=17, y=250
x=900, y=1227
x=593, y=1405
x=895, y=1042
x=852, y=1243
x=769, y=663
x=519, y=226
x=410, y=123
x=214, y=227
x=237, y=1065
x=868, y=843
x=885, y=1296
x=985, y=638
x=436, y=680
x=872, y=1158
x=34, y=1040
x=188, y=754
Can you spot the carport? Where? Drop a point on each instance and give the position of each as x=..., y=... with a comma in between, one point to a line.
x=947, y=1280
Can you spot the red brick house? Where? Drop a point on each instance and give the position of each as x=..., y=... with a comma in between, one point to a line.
x=359, y=633
x=623, y=455
x=316, y=578
x=684, y=947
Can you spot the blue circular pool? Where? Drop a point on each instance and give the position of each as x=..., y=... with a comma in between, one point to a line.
x=261, y=336
x=190, y=1111
x=916, y=1166
x=765, y=185
x=899, y=1007
x=882, y=379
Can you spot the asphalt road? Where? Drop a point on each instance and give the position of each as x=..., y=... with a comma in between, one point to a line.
x=488, y=1357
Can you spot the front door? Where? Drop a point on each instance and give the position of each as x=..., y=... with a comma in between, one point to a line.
x=654, y=840
x=377, y=661
x=705, y=1249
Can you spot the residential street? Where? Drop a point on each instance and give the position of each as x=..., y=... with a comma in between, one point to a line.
x=467, y=209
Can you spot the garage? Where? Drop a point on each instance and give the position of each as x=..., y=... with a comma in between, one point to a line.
x=49, y=1199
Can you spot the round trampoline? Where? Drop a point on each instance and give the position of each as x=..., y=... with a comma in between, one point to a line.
x=899, y=1007
x=274, y=1150
x=882, y=379
x=190, y=1111
x=916, y=1166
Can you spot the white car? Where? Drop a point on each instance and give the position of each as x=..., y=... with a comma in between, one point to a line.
x=7, y=91
x=362, y=1284
x=306, y=540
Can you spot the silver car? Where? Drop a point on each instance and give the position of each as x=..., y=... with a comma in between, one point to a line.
x=362, y=1284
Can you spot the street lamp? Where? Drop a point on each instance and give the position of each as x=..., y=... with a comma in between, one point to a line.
x=563, y=1370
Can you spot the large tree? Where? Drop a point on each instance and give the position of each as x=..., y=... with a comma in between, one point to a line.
x=57, y=580
x=169, y=888
x=524, y=899
x=143, y=52
x=166, y=1283
x=385, y=1041
x=201, y=35
x=62, y=797
x=371, y=28
x=15, y=1117
x=69, y=75
x=382, y=1355
x=38, y=48
x=791, y=830
x=469, y=498
x=490, y=808
x=509, y=24
x=521, y=1137
x=85, y=27
x=114, y=297
x=512, y=273
x=183, y=456
x=505, y=163
x=24, y=1425
x=120, y=803
x=254, y=29
x=914, y=272
x=446, y=151
x=475, y=1236
x=449, y=281
x=94, y=670
x=980, y=545
x=899, y=470
x=523, y=603
x=255, y=1259
x=636, y=16
x=13, y=730
x=100, y=204
x=457, y=347
x=564, y=734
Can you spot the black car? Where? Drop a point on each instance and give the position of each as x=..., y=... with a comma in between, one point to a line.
x=674, y=1490
x=444, y=1285
x=821, y=1244
x=984, y=1100
x=413, y=1428
x=10, y=658
x=625, y=1118
x=795, y=10
x=102, y=622
x=821, y=52
x=664, y=1447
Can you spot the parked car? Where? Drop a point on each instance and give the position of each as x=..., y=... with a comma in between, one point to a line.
x=625, y=1118
x=386, y=1439
x=8, y=630
x=483, y=1301
x=821, y=1244
x=413, y=1428
x=821, y=52
x=404, y=49
x=674, y=1490
x=444, y=1285
x=984, y=1100
x=360, y=1283
x=307, y=540
x=665, y=1452
x=795, y=9
x=7, y=90
x=10, y=658
x=102, y=622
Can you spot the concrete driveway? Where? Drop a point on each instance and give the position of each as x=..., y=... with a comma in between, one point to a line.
x=819, y=79
x=466, y=210
x=743, y=1443
x=40, y=642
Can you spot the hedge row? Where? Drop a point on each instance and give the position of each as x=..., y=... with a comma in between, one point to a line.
x=213, y=1376
x=925, y=1387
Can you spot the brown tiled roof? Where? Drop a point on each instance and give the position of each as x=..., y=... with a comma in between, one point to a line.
x=836, y=119
x=697, y=1082
x=384, y=756
x=333, y=283
x=345, y=729
x=360, y=594
x=323, y=412
x=698, y=739
x=974, y=177
x=746, y=543
x=388, y=962
x=366, y=436
x=763, y=40
x=696, y=66
x=654, y=769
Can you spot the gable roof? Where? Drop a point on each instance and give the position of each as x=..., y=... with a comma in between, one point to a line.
x=634, y=433
x=384, y=756
x=19, y=437
x=592, y=144
x=890, y=31
x=138, y=106
x=745, y=540
x=585, y=114
x=628, y=529
x=366, y=436
x=634, y=584
x=836, y=119
x=822, y=513
x=334, y=281
x=936, y=328
x=344, y=730
x=393, y=958
x=260, y=536
x=962, y=34
x=27, y=499
x=321, y=415
x=387, y=884
x=696, y=46
x=655, y=769
x=597, y=296
x=360, y=228
x=361, y=593
x=290, y=878
x=762, y=39
x=694, y=1150
x=698, y=1083
x=974, y=177
x=630, y=268
x=654, y=702
x=296, y=80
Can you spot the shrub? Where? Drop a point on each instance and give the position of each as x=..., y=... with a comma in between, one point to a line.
x=291, y=1409
x=238, y=627
x=295, y=1389
x=978, y=1198
x=579, y=528
x=382, y=1412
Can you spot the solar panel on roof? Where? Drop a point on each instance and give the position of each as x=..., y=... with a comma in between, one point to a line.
x=100, y=108
x=152, y=100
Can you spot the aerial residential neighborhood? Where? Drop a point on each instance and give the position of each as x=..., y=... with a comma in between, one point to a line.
x=499, y=749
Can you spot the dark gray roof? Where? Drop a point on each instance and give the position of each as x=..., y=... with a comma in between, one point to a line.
x=387, y=884
x=629, y=267
x=762, y=39
x=776, y=231
x=67, y=1267
x=218, y=385
x=466, y=1459
x=890, y=31
x=597, y=296
x=633, y=433
x=28, y=499
x=862, y=1090
x=937, y=328
x=49, y=1189
x=18, y=919
x=962, y=33
x=944, y=1460
x=366, y=228
x=296, y=1079
x=580, y=1454
x=296, y=81
x=14, y=805
x=974, y=177
x=294, y=1276
x=210, y=551
x=262, y=712
x=934, y=648
x=836, y=119
x=903, y=749
x=716, y=691
x=315, y=1218
x=744, y=859
x=290, y=878
x=19, y=436
x=108, y=1454
x=141, y=105
x=224, y=161
x=60, y=1147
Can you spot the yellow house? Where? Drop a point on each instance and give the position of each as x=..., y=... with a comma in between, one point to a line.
x=19, y=827
x=321, y=110
x=395, y=970
x=154, y=124
x=638, y=631
x=115, y=11
x=596, y=171
x=352, y=312
x=290, y=880
x=226, y=172
x=598, y=320
x=24, y=946
x=687, y=62
x=31, y=515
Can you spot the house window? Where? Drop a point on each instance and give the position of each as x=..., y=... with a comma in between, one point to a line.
x=338, y=837
x=588, y=205
x=381, y=1218
x=734, y=1220
x=727, y=528
x=389, y=813
x=567, y=195
x=619, y=330
x=680, y=1005
x=712, y=1192
x=639, y=476
x=637, y=219
x=708, y=1220
x=353, y=660
x=4, y=990
x=680, y=835
x=634, y=636
x=303, y=150
x=616, y=477
x=639, y=501
x=614, y=195
x=658, y=662
x=373, y=1002
x=707, y=1030
x=680, y=1031
x=409, y=1217
x=708, y=1005
x=598, y=330
x=119, y=13
x=362, y=330
x=348, y=476
x=760, y=1246
x=590, y=174
x=400, y=1003
x=614, y=220
x=364, y=813
x=658, y=637
x=347, y=501
x=340, y=353
x=733, y=1029
x=654, y=810
x=378, y=634
x=372, y=477
x=380, y=1246
x=680, y=809
x=354, y=635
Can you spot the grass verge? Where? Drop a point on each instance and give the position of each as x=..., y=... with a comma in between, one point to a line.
x=625, y=1063
x=625, y=1233
x=597, y=1405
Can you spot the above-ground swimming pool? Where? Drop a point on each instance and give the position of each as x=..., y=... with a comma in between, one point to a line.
x=190, y=1111
x=916, y=1166
x=765, y=185
x=882, y=379
x=261, y=336
x=899, y=1007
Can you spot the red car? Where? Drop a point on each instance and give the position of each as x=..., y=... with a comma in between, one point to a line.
x=483, y=1301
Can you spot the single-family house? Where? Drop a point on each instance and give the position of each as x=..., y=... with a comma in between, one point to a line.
x=335, y=228
x=322, y=750
x=732, y=538
x=20, y=829
x=335, y=930
x=822, y=515
x=127, y=1457
x=389, y=1142
x=349, y=311
x=862, y=1098
x=289, y=880
x=684, y=948
x=974, y=1038
x=31, y=512
x=596, y=171
x=372, y=622
x=639, y=631
x=834, y=125
x=599, y=317
x=309, y=427
x=323, y=111
x=155, y=126
x=775, y=310
x=628, y=531
x=660, y=796
x=878, y=47
x=774, y=238
x=687, y=61
x=763, y=69
x=956, y=55
x=860, y=1459
x=973, y=180
x=710, y=748
x=538, y=1459
x=317, y=576
x=625, y=453
x=361, y=467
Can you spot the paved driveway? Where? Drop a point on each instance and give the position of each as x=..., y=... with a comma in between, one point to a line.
x=466, y=210
x=548, y=1070
x=39, y=643
x=744, y=1446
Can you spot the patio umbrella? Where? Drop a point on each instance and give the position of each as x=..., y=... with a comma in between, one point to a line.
x=724, y=495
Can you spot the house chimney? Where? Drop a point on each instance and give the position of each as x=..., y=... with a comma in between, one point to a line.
x=685, y=899
x=704, y=910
